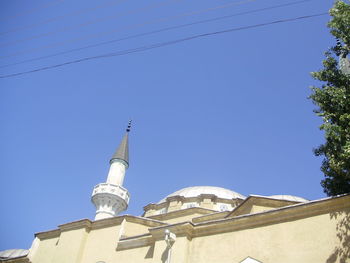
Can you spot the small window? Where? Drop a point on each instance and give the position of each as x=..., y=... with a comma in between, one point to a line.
x=223, y=208
x=163, y=210
x=190, y=205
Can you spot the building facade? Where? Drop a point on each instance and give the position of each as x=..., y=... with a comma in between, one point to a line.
x=196, y=225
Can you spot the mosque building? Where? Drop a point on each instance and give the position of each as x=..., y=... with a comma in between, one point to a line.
x=196, y=224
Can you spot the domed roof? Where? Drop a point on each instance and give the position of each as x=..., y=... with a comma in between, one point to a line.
x=13, y=253
x=289, y=198
x=195, y=191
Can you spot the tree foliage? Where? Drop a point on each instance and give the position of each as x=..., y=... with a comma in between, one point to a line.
x=333, y=105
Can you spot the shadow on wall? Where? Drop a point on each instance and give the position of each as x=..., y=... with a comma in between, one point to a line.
x=165, y=255
x=341, y=252
x=150, y=251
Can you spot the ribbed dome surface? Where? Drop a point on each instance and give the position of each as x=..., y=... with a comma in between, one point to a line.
x=195, y=191
x=289, y=198
x=13, y=253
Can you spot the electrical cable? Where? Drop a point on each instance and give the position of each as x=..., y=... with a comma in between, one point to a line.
x=162, y=44
x=157, y=31
x=107, y=32
x=21, y=52
x=90, y=22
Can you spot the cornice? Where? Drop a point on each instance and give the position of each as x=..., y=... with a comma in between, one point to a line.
x=149, y=207
x=113, y=221
x=145, y=221
x=92, y=225
x=279, y=215
x=107, y=222
x=209, y=217
x=212, y=197
x=135, y=241
x=178, y=198
x=23, y=259
x=179, y=229
x=48, y=234
x=182, y=212
x=260, y=200
x=184, y=229
x=84, y=223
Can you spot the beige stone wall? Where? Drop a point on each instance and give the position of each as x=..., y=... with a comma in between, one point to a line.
x=70, y=246
x=260, y=208
x=45, y=250
x=318, y=232
x=135, y=255
x=311, y=240
x=157, y=252
x=100, y=245
x=134, y=229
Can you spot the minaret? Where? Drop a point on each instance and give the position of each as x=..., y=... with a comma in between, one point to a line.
x=111, y=198
x=344, y=64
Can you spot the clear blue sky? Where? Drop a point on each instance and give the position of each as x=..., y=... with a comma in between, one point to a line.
x=227, y=110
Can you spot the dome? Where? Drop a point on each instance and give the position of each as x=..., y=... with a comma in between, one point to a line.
x=289, y=198
x=13, y=253
x=195, y=191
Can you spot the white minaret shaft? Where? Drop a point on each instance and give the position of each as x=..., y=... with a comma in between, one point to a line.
x=116, y=172
x=111, y=198
x=119, y=162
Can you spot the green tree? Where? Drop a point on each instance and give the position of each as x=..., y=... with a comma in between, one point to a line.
x=333, y=104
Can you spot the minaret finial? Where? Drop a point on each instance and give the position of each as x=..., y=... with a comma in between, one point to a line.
x=129, y=126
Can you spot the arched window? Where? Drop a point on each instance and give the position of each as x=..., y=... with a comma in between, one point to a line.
x=250, y=260
x=223, y=208
x=163, y=210
x=190, y=205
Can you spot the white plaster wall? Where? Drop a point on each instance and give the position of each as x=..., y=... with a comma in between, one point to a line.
x=218, y=207
x=116, y=173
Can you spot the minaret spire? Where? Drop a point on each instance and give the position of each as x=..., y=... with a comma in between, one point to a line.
x=111, y=198
x=122, y=152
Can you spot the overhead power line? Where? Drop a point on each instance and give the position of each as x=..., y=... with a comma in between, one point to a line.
x=88, y=23
x=157, y=31
x=162, y=44
x=137, y=25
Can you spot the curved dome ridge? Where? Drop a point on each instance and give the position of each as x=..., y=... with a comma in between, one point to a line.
x=195, y=191
x=13, y=253
x=289, y=198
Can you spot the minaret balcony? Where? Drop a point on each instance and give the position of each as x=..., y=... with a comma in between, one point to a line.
x=112, y=189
